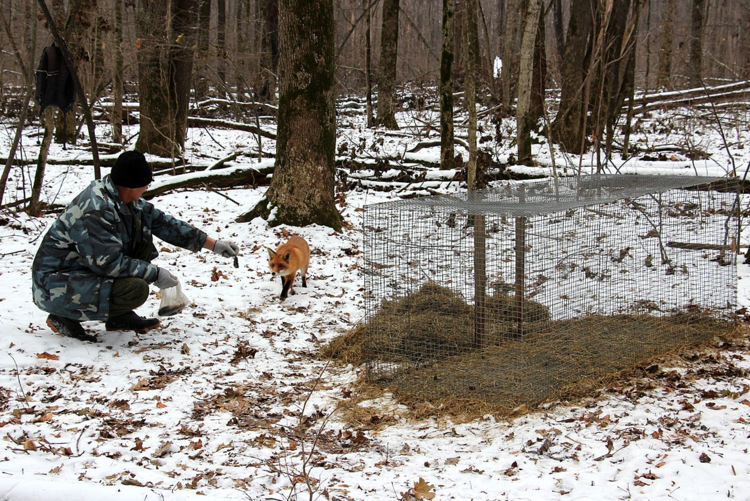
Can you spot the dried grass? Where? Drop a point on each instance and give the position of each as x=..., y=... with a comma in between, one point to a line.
x=434, y=366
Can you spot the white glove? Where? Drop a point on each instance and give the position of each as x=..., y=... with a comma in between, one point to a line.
x=165, y=280
x=225, y=248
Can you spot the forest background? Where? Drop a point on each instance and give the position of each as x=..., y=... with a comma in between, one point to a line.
x=595, y=64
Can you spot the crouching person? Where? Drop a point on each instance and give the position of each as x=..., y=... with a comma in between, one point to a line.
x=94, y=263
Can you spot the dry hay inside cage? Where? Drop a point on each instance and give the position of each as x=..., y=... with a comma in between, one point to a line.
x=430, y=336
x=432, y=323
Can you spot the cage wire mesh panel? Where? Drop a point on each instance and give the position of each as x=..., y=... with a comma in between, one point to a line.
x=513, y=295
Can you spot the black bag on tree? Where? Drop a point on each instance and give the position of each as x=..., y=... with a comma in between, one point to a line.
x=54, y=83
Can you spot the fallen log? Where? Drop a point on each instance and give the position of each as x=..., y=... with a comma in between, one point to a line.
x=701, y=246
x=255, y=175
x=690, y=97
x=226, y=124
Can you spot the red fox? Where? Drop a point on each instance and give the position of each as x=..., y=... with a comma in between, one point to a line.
x=289, y=259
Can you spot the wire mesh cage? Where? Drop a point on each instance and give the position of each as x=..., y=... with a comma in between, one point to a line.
x=515, y=294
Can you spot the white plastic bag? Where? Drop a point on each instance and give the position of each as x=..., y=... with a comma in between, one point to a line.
x=173, y=300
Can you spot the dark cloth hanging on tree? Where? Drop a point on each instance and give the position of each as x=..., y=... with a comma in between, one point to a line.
x=54, y=83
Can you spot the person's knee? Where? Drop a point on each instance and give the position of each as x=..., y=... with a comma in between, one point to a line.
x=138, y=291
x=129, y=292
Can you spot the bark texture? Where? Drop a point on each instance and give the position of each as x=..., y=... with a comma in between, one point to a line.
x=302, y=189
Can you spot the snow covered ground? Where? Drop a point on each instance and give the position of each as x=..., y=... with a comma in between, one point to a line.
x=229, y=401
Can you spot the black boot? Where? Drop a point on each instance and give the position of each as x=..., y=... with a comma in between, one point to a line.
x=69, y=328
x=131, y=322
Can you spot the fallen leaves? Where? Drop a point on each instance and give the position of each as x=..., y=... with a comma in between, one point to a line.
x=163, y=449
x=217, y=274
x=244, y=351
x=420, y=491
x=47, y=356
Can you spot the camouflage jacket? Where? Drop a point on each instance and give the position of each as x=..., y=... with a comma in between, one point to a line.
x=91, y=243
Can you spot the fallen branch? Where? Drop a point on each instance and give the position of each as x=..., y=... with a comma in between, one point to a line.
x=700, y=246
x=226, y=124
x=221, y=162
x=212, y=190
x=255, y=175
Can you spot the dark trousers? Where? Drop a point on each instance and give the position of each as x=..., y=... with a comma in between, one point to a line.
x=129, y=293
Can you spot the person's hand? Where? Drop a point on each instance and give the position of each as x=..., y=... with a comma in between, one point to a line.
x=165, y=280
x=225, y=248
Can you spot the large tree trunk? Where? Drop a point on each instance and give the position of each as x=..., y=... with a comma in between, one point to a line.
x=525, y=78
x=447, y=151
x=269, y=52
x=157, y=117
x=388, y=60
x=184, y=37
x=221, y=44
x=608, y=76
x=666, y=35
x=513, y=22
x=568, y=127
x=471, y=52
x=558, y=29
x=201, y=64
x=240, y=23
x=302, y=188
x=539, y=76
x=368, y=64
x=165, y=65
x=695, y=61
x=117, y=77
x=621, y=64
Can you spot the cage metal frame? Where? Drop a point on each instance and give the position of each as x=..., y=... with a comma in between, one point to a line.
x=528, y=256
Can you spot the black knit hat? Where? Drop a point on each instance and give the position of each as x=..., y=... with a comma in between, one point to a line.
x=131, y=170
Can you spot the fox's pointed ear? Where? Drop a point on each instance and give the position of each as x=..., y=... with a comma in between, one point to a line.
x=287, y=256
x=271, y=254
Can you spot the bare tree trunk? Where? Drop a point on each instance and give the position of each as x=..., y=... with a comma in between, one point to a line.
x=221, y=42
x=622, y=64
x=81, y=30
x=471, y=51
x=269, y=50
x=117, y=76
x=447, y=152
x=242, y=49
x=184, y=36
x=157, y=116
x=568, y=127
x=388, y=60
x=368, y=64
x=666, y=34
x=695, y=60
x=201, y=63
x=558, y=29
x=513, y=22
x=539, y=76
x=28, y=72
x=486, y=62
x=606, y=106
x=302, y=188
x=525, y=78
x=48, y=123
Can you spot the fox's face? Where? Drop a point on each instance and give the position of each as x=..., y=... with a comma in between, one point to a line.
x=279, y=264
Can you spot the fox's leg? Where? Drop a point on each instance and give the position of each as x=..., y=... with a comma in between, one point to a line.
x=304, y=278
x=285, y=284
